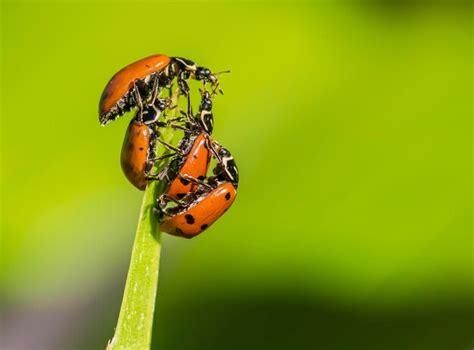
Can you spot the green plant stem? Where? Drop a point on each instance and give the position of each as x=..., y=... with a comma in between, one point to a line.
x=135, y=321
x=134, y=326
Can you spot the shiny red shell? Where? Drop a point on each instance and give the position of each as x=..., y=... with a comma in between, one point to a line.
x=200, y=214
x=135, y=153
x=195, y=165
x=123, y=80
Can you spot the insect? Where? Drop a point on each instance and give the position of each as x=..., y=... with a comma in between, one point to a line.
x=119, y=95
x=192, y=161
x=198, y=210
x=146, y=77
x=138, y=149
x=193, y=156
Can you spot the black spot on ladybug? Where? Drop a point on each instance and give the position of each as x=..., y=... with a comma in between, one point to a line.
x=141, y=148
x=195, y=156
x=203, y=227
x=227, y=196
x=201, y=178
x=180, y=195
x=178, y=231
x=189, y=219
x=184, y=181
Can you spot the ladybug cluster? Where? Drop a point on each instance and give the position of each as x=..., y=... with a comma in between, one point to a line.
x=193, y=199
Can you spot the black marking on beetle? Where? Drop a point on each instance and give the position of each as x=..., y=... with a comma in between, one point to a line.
x=203, y=227
x=141, y=148
x=227, y=196
x=189, y=219
x=201, y=178
x=180, y=195
x=184, y=181
x=178, y=231
x=105, y=94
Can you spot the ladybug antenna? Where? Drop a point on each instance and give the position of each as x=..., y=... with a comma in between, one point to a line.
x=222, y=72
x=215, y=82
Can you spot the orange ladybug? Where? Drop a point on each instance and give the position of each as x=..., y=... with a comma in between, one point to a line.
x=192, y=219
x=194, y=164
x=120, y=93
x=135, y=153
x=138, y=149
x=198, y=210
x=146, y=77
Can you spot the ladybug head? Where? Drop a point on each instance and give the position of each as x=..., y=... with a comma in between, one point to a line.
x=206, y=101
x=204, y=74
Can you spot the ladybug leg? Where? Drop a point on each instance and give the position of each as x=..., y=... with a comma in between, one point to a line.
x=163, y=202
x=194, y=180
x=169, y=146
x=156, y=159
x=169, y=123
x=190, y=119
x=177, y=119
x=184, y=88
x=161, y=212
x=138, y=100
x=180, y=127
x=156, y=89
x=163, y=174
x=165, y=199
x=151, y=162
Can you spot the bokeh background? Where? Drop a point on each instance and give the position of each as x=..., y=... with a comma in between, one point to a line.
x=351, y=125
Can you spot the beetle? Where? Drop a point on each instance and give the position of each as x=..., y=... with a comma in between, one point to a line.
x=146, y=77
x=119, y=95
x=193, y=161
x=206, y=208
x=192, y=157
x=198, y=210
x=138, y=149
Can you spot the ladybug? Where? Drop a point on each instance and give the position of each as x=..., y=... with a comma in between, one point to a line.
x=206, y=208
x=148, y=76
x=200, y=209
x=135, y=153
x=119, y=95
x=138, y=149
x=194, y=157
x=201, y=122
x=193, y=161
x=186, y=69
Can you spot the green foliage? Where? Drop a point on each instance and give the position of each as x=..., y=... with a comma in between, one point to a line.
x=351, y=127
x=136, y=314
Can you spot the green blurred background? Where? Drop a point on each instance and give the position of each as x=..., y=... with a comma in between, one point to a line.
x=351, y=125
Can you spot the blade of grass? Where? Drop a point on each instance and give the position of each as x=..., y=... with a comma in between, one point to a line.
x=134, y=326
x=138, y=305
